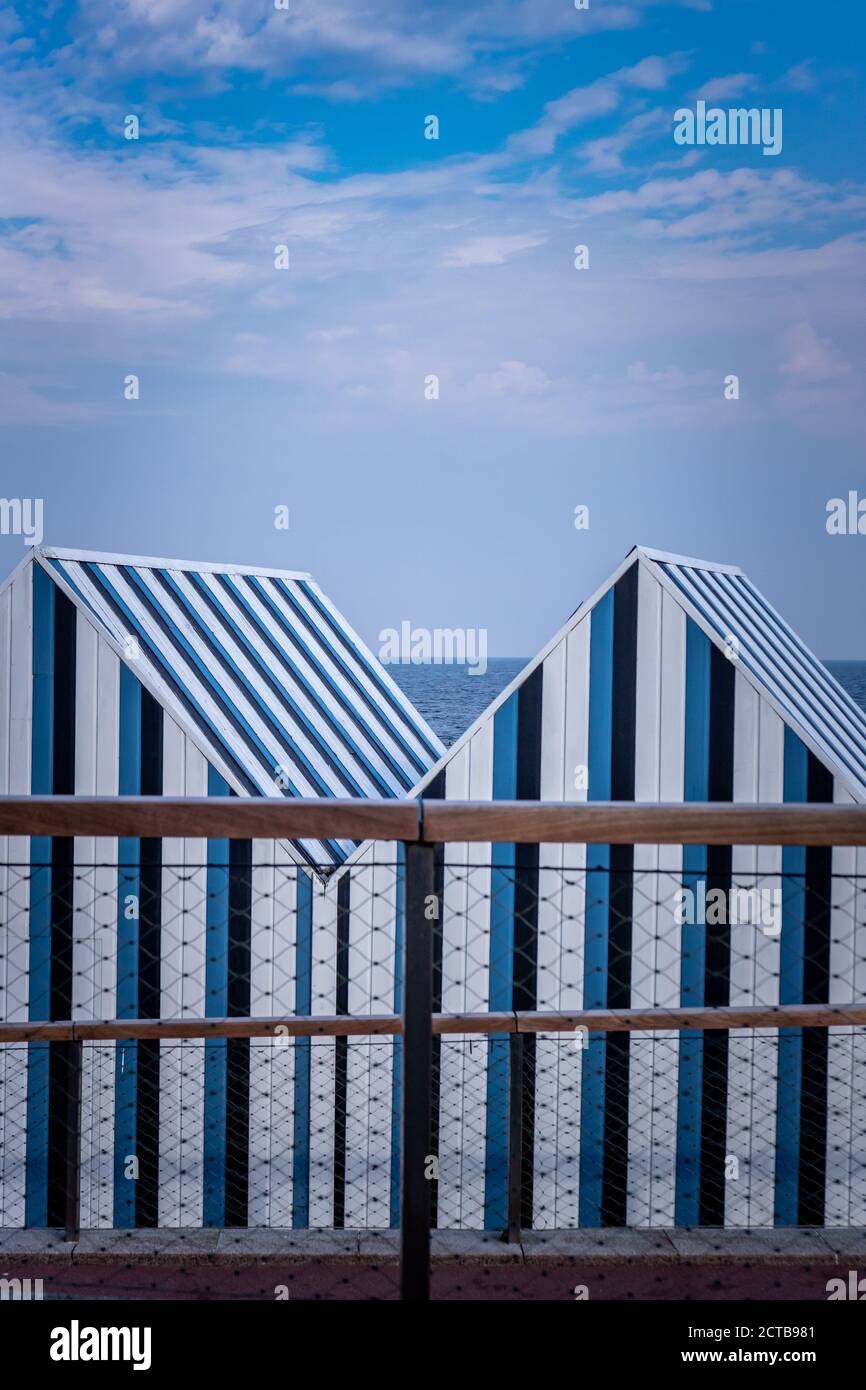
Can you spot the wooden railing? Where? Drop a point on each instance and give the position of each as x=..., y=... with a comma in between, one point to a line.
x=654, y=1020
x=436, y=822
x=420, y=825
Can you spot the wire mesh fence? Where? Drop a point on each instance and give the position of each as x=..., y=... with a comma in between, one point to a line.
x=554, y=1123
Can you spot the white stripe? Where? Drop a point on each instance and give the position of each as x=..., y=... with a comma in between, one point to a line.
x=806, y=692
x=742, y=1042
x=777, y=679
x=306, y=668
x=646, y=906
x=548, y=1048
x=407, y=720
x=194, y=686
x=200, y=692
x=465, y=988
x=192, y=999
x=456, y=1105
x=152, y=562
x=370, y=1059
x=182, y=990
x=251, y=711
x=172, y=1057
x=858, y=1138
x=282, y=1060
x=263, y=1051
x=843, y=703
x=328, y=649
x=8, y=988
x=231, y=689
x=765, y=1041
x=665, y=1046
x=97, y=707
x=322, y=1059
x=415, y=723
x=18, y=650
x=841, y=1108
x=571, y=968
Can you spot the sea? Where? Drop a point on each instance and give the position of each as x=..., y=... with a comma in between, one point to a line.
x=451, y=699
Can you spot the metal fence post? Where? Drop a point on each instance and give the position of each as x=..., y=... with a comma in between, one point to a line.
x=417, y=1074
x=72, y=1175
x=515, y=1136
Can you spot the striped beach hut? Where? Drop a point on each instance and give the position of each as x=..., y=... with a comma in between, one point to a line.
x=123, y=675
x=676, y=682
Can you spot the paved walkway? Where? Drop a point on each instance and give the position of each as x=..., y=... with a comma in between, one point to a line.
x=573, y=1265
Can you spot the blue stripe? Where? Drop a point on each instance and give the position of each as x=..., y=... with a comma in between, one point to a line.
x=220, y=697
x=337, y=728
x=188, y=701
x=230, y=710
x=596, y=913
x=789, y=669
x=835, y=702
x=295, y=637
x=364, y=661
x=502, y=860
x=693, y=936
x=39, y=991
x=397, y=1065
x=216, y=1006
x=321, y=638
x=791, y=948
x=285, y=740
x=303, y=1006
x=191, y=704
x=68, y=580
x=811, y=708
x=128, y=887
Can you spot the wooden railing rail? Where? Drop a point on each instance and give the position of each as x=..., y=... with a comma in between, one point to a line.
x=435, y=822
x=539, y=1021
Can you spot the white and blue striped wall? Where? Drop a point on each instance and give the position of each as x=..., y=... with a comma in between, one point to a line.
x=634, y=699
x=194, y=1132
x=640, y=691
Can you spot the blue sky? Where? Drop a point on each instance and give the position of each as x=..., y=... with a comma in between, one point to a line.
x=411, y=257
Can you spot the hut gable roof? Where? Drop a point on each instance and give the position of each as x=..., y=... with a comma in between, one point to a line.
x=736, y=617
x=260, y=669
x=725, y=604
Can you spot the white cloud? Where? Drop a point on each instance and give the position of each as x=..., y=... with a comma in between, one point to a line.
x=160, y=260
x=511, y=379
x=711, y=204
x=604, y=155
x=800, y=78
x=389, y=37
x=597, y=99
x=22, y=403
x=491, y=250
x=331, y=91
x=810, y=358
x=727, y=88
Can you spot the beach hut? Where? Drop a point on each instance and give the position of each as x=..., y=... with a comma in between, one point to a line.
x=120, y=674
x=677, y=681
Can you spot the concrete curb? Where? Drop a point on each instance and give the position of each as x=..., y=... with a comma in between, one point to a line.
x=236, y=1247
